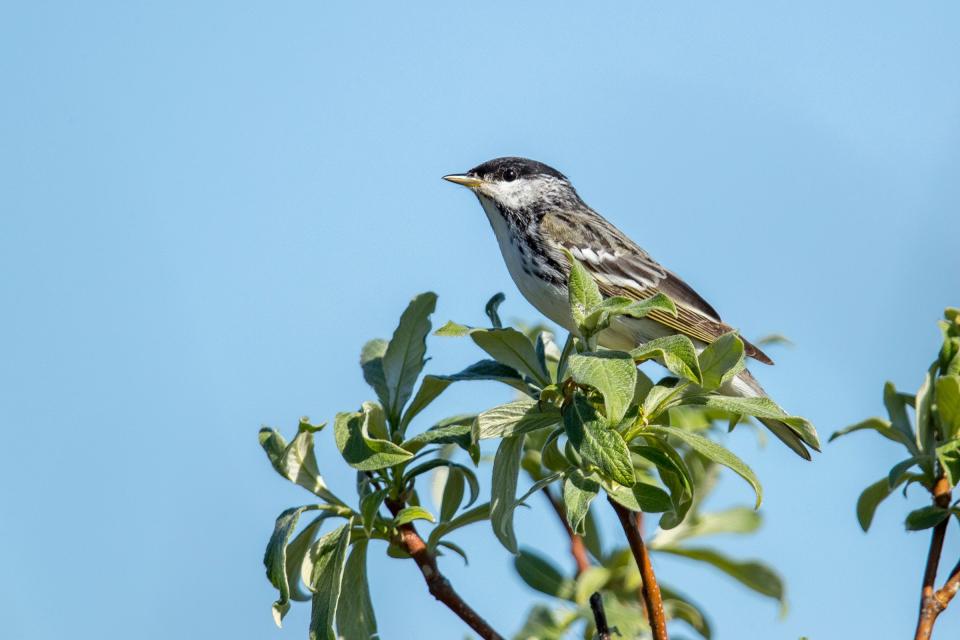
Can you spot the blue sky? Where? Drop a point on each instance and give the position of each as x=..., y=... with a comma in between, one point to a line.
x=205, y=210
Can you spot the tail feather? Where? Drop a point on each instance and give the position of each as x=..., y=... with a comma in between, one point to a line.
x=746, y=386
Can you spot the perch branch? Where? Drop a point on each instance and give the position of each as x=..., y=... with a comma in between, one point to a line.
x=438, y=585
x=651, y=590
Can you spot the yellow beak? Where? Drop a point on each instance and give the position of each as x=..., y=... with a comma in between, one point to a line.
x=468, y=181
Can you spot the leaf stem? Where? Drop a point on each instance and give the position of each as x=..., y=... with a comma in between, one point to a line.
x=577, y=549
x=438, y=585
x=933, y=601
x=599, y=616
x=652, y=599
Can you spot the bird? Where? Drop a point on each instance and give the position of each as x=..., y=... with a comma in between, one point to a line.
x=537, y=217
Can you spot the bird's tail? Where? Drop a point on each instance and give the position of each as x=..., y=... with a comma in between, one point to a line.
x=746, y=386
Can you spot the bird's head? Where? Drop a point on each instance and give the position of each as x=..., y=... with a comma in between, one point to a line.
x=517, y=184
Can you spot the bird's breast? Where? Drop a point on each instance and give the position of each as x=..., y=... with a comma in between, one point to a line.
x=525, y=262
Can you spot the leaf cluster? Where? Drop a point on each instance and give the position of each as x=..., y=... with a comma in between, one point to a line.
x=585, y=419
x=609, y=428
x=926, y=424
x=332, y=566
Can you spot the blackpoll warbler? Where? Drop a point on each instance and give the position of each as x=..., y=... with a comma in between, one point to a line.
x=536, y=214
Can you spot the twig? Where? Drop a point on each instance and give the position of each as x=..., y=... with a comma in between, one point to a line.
x=933, y=602
x=651, y=590
x=950, y=588
x=437, y=583
x=599, y=616
x=577, y=548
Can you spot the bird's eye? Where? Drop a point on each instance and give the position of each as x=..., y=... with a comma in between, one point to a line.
x=509, y=174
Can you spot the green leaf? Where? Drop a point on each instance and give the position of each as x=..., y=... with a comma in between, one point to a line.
x=713, y=451
x=275, y=558
x=465, y=471
x=541, y=574
x=569, y=346
x=455, y=430
x=753, y=575
x=871, y=498
x=626, y=616
x=370, y=507
x=600, y=317
x=452, y=494
x=675, y=475
x=721, y=361
x=590, y=581
x=881, y=426
x=546, y=349
x=446, y=544
x=503, y=493
x=948, y=406
x=734, y=520
x=374, y=420
x=477, y=514
x=897, y=409
x=513, y=349
x=899, y=469
x=659, y=399
x=583, y=292
x=452, y=330
x=404, y=358
x=622, y=306
x=678, y=608
x=514, y=418
x=361, y=451
x=550, y=455
x=612, y=373
x=578, y=492
x=592, y=538
x=491, y=309
x=596, y=442
x=328, y=555
x=544, y=624
x=926, y=518
x=763, y=408
x=371, y=362
x=409, y=514
x=538, y=485
x=675, y=352
x=355, y=616
x=923, y=401
x=432, y=386
x=296, y=461
x=949, y=457
x=296, y=554
x=643, y=497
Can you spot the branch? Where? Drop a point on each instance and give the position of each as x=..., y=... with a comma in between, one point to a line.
x=950, y=588
x=932, y=602
x=439, y=587
x=599, y=616
x=577, y=548
x=651, y=590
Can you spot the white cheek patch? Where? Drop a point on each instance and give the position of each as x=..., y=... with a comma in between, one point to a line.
x=517, y=194
x=526, y=192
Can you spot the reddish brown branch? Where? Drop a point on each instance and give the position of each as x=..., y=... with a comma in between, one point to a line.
x=933, y=602
x=651, y=590
x=577, y=548
x=950, y=588
x=439, y=587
